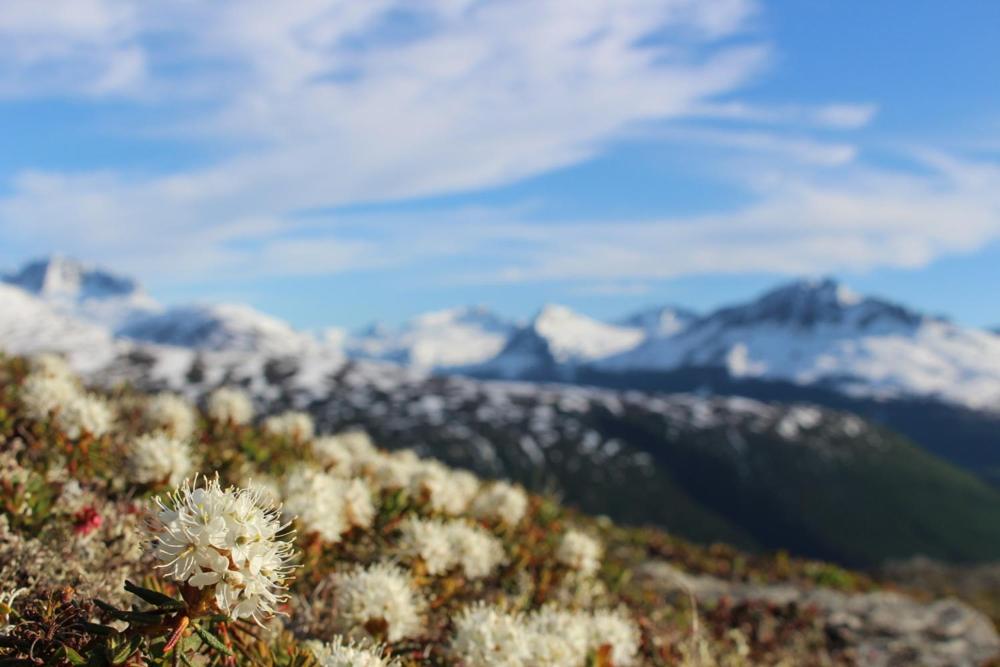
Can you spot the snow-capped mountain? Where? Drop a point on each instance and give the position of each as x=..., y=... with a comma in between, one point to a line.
x=660, y=320
x=809, y=333
x=84, y=291
x=439, y=339
x=818, y=332
x=222, y=327
x=29, y=325
x=555, y=342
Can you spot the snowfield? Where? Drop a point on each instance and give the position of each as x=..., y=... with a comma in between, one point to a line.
x=813, y=333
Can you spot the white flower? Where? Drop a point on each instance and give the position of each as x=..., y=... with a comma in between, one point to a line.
x=328, y=505
x=52, y=365
x=229, y=404
x=579, y=551
x=431, y=542
x=391, y=472
x=465, y=486
x=158, y=457
x=228, y=540
x=443, y=545
x=338, y=653
x=86, y=413
x=43, y=395
x=359, y=510
x=378, y=599
x=444, y=490
x=171, y=413
x=501, y=502
x=357, y=442
x=476, y=551
x=318, y=501
x=293, y=425
x=559, y=637
x=333, y=455
x=490, y=637
x=266, y=486
x=617, y=630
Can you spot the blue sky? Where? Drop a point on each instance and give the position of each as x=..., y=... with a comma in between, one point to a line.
x=335, y=162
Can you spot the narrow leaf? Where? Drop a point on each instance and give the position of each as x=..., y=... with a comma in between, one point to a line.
x=98, y=629
x=212, y=640
x=155, y=598
x=73, y=657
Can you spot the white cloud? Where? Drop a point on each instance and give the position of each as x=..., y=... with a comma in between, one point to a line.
x=782, y=145
x=828, y=116
x=71, y=47
x=330, y=102
x=323, y=103
x=800, y=223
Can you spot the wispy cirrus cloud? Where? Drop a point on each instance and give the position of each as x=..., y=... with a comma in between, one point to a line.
x=329, y=103
x=325, y=104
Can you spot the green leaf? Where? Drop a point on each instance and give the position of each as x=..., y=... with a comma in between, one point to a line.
x=136, y=617
x=211, y=640
x=73, y=657
x=155, y=598
x=111, y=609
x=98, y=629
x=126, y=650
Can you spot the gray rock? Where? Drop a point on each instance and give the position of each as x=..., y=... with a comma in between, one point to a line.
x=884, y=629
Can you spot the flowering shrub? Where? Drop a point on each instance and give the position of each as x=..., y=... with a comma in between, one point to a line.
x=580, y=552
x=228, y=404
x=157, y=458
x=296, y=426
x=397, y=560
x=230, y=542
x=172, y=414
x=379, y=601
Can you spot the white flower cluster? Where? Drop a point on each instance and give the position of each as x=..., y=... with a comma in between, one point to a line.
x=51, y=365
x=229, y=404
x=340, y=653
x=76, y=412
x=159, y=458
x=580, y=552
x=488, y=636
x=44, y=395
x=172, y=414
x=443, y=545
x=227, y=540
x=297, y=426
x=378, y=601
x=333, y=456
x=443, y=489
x=327, y=505
x=501, y=502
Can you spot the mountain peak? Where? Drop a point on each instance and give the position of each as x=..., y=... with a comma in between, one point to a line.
x=659, y=321
x=807, y=303
x=554, y=312
x=64, y=277
x=826, y=291
x=474, y=315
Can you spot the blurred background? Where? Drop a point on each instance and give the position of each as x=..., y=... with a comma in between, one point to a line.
x=729, y=268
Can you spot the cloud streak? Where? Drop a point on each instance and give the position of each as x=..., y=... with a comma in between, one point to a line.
x=328, y=104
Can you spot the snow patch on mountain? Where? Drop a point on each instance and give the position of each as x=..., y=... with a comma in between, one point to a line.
x=223, y=327
x=558, y=339
x=439, y=339
x=660, y=320
x=84, y=291
x=30, y=326
x=818, y=332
